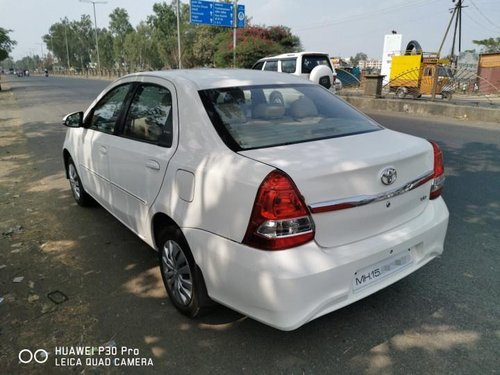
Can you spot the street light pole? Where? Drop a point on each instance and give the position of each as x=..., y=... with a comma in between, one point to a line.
x=95, y=29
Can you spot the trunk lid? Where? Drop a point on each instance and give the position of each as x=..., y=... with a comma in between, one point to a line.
x=335, y=172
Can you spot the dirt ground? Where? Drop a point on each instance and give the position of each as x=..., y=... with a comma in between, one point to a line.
x=35, y=282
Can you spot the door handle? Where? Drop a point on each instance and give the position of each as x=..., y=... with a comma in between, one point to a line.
x=103, y=150
x=153, y=164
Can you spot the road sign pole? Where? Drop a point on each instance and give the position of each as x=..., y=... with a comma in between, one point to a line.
x=179, y=34
x=235, y=25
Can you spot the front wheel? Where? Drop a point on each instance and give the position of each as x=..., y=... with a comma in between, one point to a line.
x=183, y=280
x=81, y=196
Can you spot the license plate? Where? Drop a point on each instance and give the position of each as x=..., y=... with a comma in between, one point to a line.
x=379, y=271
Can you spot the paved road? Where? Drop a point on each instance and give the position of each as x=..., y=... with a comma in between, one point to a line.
x=444, y=319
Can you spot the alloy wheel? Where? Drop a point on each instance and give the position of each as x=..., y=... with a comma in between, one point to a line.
x=177, y=273
x=74, y=181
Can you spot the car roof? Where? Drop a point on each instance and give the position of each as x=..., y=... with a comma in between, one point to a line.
x=294, y=54
x=218, y=78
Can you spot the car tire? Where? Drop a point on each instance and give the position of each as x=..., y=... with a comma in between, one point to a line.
x=79, y=194
x=182, y=278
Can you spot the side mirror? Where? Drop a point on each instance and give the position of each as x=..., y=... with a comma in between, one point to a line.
x=73, y=120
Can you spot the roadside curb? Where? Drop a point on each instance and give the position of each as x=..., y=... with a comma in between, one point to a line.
x=425, y=108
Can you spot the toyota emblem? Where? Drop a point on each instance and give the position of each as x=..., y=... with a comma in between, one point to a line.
x=389, y=176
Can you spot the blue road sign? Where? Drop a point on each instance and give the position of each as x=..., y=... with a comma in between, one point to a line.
x=223, y=14
x=202, y=12
x=240, y=16
x=216, y=14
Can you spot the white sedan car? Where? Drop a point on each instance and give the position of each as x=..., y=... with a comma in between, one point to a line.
x=283, y=211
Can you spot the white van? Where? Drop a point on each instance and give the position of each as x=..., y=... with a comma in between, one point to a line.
x=315, y=66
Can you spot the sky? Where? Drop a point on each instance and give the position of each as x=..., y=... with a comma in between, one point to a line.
x=340, y=28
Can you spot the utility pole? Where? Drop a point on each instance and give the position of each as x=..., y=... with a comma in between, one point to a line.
x=456, y=15
x=95, y=29
x=458, y=26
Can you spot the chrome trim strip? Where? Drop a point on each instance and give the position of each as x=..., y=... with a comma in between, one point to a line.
x=362, y=200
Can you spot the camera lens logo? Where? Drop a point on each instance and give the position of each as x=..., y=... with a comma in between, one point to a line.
x=27, y=356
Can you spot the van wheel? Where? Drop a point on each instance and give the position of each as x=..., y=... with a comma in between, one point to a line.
x=183, y=280
x=401, y=92
x=446, y=95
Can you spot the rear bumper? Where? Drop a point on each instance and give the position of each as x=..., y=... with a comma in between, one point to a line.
x=288, y=288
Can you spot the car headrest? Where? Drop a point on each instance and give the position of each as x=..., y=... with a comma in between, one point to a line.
x=303, y=107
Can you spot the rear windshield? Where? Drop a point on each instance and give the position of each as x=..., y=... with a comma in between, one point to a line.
x=309, y=62
x=273, y=115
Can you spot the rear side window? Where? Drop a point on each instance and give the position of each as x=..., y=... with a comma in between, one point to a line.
x=271, y=66
x=273, y=115
x=289, y=65
x=309, y=62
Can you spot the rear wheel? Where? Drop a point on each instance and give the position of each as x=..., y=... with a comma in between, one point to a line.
x=79, y=193
x=446, y=95
x=182, y=278
x=401, y=92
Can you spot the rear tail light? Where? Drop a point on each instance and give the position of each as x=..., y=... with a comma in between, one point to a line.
x=438, y=177
x=279, y=219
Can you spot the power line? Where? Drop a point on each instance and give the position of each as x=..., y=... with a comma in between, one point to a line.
x=386, y=10
x=479, y=24
x=484, y=16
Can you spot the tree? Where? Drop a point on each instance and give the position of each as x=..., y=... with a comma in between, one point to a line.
x=360, y=56
x=204, y=46
x=489, y=45
x=119, y=26
x=153, y=44
x=73, y=40
x=6, y=43
x=106, y=56
x=164, y=24
x=141, y=49
x=253, y=43
x=84, y=49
